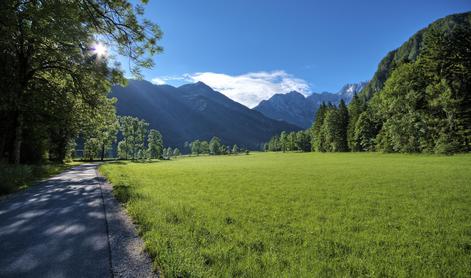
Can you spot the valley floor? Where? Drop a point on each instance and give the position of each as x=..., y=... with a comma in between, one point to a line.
x=302, y=214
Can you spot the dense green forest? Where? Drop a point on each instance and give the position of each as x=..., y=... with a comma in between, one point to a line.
x=419, y=100
x=56, y=72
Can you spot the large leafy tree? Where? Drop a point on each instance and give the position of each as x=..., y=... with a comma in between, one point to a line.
x=50, y=49
x=215, y=146
x=134, y=133
x=196, y=147
x=155, y=144
x=366, y=129
x=102, y=128
x=204, y=147
x=303, y=141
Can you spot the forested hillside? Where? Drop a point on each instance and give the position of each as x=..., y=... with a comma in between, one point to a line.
x=409, y=51
x=419, y=100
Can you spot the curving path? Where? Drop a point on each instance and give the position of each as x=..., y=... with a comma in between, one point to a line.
x=69, y=226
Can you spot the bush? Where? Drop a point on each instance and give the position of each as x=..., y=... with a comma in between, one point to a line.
x=13, y=177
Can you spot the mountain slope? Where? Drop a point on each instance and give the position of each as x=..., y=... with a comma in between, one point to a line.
x=409, y=51
x=292, y=108
x=296, y=109
x=195, y=111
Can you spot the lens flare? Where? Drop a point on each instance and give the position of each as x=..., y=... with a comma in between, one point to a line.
x=100, y=50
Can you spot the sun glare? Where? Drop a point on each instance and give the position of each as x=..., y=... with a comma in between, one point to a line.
x=99, y=49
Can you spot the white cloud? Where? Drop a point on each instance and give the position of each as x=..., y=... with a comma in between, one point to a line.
x=161, y=80
x=251, y=88
x=158, y=81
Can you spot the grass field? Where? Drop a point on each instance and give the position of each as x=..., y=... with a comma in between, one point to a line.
x=302, y=214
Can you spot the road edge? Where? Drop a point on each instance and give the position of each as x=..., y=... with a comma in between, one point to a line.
x=128, y=255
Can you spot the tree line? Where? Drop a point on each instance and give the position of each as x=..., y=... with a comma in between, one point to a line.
x=138, y=142
x=213, y=147
x=424, y=107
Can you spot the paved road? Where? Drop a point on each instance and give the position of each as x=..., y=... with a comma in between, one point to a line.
x=60, y=229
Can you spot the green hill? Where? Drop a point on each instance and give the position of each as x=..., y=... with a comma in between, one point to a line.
x=410, y=50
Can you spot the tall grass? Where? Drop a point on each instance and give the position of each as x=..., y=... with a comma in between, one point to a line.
x=17, y=177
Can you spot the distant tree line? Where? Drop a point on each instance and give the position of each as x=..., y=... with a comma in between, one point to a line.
x=424, y=107
x=292, y=141
x=138, y=142
x=213, y=147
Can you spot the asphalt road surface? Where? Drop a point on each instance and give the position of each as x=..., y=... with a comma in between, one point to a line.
x=69, y=226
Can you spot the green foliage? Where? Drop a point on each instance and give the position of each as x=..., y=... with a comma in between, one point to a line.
x=199, y=147
x=168, y=152
x=303, y=141
x=215, y=146
x=293, y=141
x=123, y=149
x=341, y=144
x=284, y=141
x=235, y=149
x=91, y=148
x=366, y=129
x=302, y=214
x=427, y=102
x=204, y=147
x=330, y=128
x=317, y=140
x=417, y=102
x=100, y=133
x=196, y=147
x=333, y=131
x=134, y=133
x=155, y=144
x=274, y=144
x=355, y=108
x=410, y=50
x=54, y=86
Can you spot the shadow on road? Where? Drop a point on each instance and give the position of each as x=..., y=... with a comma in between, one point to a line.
x=56, y=229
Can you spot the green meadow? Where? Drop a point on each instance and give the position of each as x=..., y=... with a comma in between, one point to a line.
x=302, y=214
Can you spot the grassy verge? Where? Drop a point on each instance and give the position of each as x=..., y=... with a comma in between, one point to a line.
x=17, y=177
x=302, y=215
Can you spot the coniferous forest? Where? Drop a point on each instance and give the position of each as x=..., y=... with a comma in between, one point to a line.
x=419, y=100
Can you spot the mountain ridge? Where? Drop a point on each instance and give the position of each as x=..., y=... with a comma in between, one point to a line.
x=195, y=111
x=300, y=110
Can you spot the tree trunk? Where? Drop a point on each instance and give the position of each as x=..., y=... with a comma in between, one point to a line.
x=18, y=138
x=3, y=141
x=102, y=152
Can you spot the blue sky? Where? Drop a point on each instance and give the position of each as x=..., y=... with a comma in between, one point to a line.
x=250, y=49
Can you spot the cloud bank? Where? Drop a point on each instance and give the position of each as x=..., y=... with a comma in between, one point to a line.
x=248, y=89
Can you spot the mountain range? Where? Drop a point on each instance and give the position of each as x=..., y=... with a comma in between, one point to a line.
x=299, y=110
x=195, y=111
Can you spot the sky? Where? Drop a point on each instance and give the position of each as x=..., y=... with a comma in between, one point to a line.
x=252, y=49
